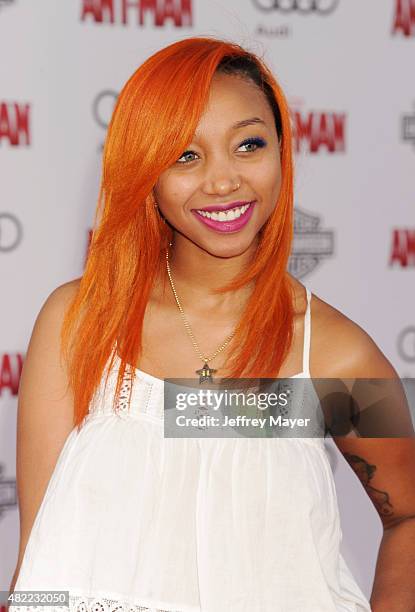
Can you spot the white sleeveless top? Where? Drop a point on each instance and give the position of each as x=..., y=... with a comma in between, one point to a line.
x=132, y=520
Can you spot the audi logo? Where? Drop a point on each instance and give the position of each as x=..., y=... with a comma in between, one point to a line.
x=11, y=232
x=103, y=106
x=406, y=344
x=322, y=7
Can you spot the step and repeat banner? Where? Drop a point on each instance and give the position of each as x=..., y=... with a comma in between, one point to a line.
x=345, y=66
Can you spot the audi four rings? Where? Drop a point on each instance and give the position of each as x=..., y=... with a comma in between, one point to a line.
x=323, y=7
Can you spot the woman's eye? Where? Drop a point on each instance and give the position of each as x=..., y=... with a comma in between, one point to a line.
x=256, y=143
x=251, y=145
x=186, y=154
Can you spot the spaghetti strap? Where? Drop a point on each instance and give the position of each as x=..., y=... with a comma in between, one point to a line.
x=307, y=335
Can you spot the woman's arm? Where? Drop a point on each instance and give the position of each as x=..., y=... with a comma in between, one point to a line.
x=44, y=414
x=386, y=468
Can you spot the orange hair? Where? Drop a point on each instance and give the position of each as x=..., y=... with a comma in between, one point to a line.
x=155, y=117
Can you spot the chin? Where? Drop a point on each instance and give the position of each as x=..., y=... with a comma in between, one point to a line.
x=228, y=245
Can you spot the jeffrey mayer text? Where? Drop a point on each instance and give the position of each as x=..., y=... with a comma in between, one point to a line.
x=240, y=421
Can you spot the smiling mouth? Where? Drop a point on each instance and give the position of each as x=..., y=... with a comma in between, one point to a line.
x=223, y=216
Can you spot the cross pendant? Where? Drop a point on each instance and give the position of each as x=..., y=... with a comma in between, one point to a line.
x=205, y=373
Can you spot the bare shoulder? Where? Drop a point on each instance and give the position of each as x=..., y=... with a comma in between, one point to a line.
x=44, y=342
x=342, y=348
x=60, y=297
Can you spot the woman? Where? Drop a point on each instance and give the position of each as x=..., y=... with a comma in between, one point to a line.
x=112, y=510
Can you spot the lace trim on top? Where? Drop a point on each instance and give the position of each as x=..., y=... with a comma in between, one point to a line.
x=79, y=603
x=146, y=398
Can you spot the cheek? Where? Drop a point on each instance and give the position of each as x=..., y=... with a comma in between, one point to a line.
x=174, y=190
x=267, y=178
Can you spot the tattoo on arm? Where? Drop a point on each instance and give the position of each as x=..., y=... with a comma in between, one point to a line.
x=365, y=472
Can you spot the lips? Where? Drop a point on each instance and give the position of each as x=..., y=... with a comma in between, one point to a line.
x=223, y=223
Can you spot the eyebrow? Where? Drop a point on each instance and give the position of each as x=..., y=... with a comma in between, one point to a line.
x=245, y=122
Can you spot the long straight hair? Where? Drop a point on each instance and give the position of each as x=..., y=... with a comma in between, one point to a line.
x=154, y=119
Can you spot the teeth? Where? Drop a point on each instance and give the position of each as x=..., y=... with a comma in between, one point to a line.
x=229, y=215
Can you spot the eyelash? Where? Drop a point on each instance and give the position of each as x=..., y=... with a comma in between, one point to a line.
x=259, y=142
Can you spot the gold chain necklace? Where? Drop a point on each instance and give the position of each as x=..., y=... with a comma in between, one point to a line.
x=206, y=372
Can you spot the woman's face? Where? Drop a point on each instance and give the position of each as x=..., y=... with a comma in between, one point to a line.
x=232, y=163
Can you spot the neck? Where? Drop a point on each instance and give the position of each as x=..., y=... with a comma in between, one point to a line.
x=197, y=274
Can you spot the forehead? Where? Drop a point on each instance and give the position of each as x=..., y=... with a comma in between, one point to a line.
x=231, y=99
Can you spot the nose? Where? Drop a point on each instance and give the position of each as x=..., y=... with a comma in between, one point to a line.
x=221, y=181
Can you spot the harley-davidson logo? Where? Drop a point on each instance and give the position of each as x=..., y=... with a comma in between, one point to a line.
x=311, y=244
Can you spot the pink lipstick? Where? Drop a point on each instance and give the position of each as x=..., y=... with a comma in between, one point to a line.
x=217, y=217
